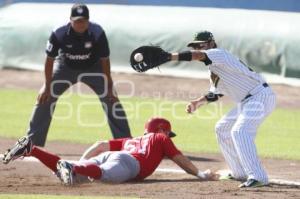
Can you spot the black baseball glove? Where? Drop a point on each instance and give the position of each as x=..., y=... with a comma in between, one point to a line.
x=152, y=56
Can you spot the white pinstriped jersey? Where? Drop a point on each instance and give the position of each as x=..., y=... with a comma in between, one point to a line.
x=236, y=79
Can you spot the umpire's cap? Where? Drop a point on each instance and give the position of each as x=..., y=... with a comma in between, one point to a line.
x=153, y=125
x=200, y=37
x=79, y=11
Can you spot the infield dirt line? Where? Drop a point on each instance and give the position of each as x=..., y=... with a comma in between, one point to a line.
x=170, y=170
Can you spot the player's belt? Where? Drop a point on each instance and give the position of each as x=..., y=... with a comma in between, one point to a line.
x=249, y=95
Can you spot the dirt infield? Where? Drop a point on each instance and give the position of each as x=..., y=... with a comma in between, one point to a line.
x=23, y=177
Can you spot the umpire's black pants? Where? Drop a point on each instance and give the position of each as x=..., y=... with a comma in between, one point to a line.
x=65, y=77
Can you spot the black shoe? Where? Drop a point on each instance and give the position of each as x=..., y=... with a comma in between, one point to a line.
x=22, y=148
x=251, y=183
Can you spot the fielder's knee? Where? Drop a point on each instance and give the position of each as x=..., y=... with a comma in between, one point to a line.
x=220, y=129
x=239, y=132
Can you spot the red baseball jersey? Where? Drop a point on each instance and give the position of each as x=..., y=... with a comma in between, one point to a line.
x=149, y=150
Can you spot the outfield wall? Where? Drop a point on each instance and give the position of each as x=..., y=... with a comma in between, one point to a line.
x=279, y=5
x=266, y=40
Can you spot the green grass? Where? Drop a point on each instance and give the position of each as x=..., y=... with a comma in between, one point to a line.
x=278, y=136
x=14, y=196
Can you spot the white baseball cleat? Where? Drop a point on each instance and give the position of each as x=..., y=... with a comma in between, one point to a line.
x=65, y=172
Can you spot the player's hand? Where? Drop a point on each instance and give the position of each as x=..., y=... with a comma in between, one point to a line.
x=194, y=105
x=212, y=176
x=44, y=95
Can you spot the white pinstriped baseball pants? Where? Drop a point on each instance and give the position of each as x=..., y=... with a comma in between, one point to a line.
x=236, y=132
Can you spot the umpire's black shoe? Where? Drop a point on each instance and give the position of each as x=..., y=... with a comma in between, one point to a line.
x=251, y=183
x=22, y=148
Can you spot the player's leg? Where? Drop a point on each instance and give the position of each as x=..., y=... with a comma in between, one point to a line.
x=48, y=159
x=115, y=113
x=74, y=172
x=223, y=132
x=71, y=172
x=115, y=167
x=24, y=147
x=254, y=111
x=41, y=117
x=55, y=163
x=119, y=167
x=116, y=117
x=82, y=170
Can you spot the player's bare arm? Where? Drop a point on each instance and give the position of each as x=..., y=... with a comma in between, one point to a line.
x=205, y=99
x=190, y=168
x=96, y=149
x=195, y=104
x=44, y=93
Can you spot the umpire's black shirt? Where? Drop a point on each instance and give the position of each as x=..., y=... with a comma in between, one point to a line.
x=78, y=51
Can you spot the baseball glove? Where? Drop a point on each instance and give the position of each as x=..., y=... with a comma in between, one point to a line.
x=152, y=57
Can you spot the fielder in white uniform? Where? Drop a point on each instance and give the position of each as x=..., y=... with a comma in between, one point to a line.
x=255, y=100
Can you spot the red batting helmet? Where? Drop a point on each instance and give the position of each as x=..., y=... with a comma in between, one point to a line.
x=155, y=124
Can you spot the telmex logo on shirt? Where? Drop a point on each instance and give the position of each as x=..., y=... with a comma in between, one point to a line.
x=78, y=57
x=88, y=44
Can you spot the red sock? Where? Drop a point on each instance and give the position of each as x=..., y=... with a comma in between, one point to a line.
x=48, y=159
x=88, y=169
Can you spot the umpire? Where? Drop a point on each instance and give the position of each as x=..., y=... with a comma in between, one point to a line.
x=79, y=51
